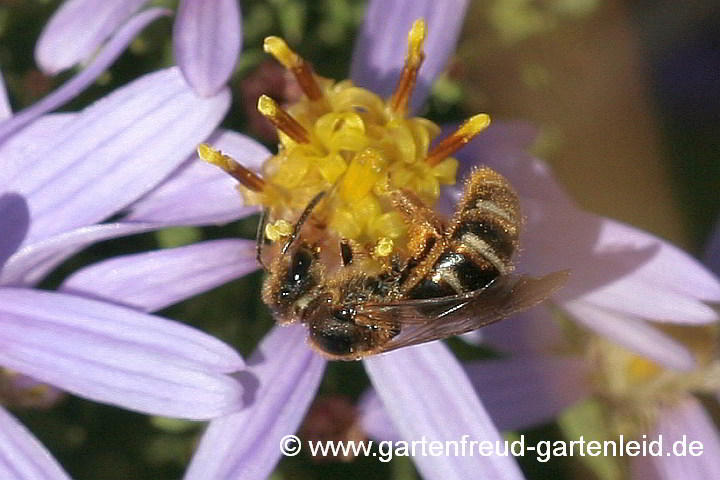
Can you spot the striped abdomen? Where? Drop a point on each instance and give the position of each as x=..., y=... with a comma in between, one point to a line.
x=479, y=243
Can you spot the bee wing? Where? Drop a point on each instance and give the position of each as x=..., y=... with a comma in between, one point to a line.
x=431, y=319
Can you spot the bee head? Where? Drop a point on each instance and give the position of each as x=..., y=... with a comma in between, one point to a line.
x=293, y=276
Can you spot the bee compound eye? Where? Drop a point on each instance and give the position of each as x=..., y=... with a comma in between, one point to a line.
x=300, y=265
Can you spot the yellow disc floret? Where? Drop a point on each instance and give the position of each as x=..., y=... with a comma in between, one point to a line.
x=354, y=146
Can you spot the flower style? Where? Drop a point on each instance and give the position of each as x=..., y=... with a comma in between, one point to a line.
x=129, y=155
x=207, y=37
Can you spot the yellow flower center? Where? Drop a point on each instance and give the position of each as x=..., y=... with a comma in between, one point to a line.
x=354, y=145
x=635, y=387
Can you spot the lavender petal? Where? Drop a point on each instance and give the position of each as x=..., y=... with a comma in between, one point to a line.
x=533, y=331
x=687, y=422
x=113, y=152
x=634, y=334
x=207, y=38
x=22, y=456
x=117, y=355
x=524, y=392
x=615, y=266
x=14, y=223
x=77, y=29
x=380, y=50
x=176, y=200
x=246, y=445
x=154, y=280
x=521, y=392
x=87, y=76
x=427, y=394
x=32, y=262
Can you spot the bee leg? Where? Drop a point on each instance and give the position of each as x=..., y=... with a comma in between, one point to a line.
x=416, y=213
x=426, y=236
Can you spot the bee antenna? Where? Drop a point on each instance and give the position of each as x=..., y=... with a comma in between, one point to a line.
x=303, y=218
x=260, y=238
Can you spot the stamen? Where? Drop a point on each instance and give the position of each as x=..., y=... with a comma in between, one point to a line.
x=282, y=120
x=231, y=166
x=300, y=68
x=458, y=138
x=404, y=88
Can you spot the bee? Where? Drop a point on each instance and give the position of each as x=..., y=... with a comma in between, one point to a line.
x=457, y=278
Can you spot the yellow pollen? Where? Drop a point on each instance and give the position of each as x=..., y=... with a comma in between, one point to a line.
x=384, y=247
x=277, y=47
x=458, y=138
x=641, y=369
x=416, y=39
x=278, y=230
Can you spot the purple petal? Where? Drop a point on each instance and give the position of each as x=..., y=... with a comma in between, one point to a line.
x=533, y=331
x=246, y=445
x=712, y=252
x=504, y=147
x=5, y=108
x=374, y=418
x=200, y=193
x=14, y=222
x=685, y=423
x=634, y=334
x=154, y=280
x=207, y=37
x=22, y=456
x=117, y=355
x=26, y=142
x=113, y=152
x=519, y=393
x=77, y=29
x=381, y=48
x=32, y=262
x=524, y=392
x=85, y=78
x=615, y=266
x=428, y=395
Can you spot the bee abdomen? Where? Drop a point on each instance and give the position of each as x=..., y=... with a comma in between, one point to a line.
x=454, y=273
x=486, y=222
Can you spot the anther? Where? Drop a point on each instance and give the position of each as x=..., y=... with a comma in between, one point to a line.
x=458, y=138
x=404, y=88
x=282, y=120
x=300, y=68
x=246, y=177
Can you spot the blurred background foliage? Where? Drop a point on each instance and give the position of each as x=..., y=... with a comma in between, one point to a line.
x=627, y=98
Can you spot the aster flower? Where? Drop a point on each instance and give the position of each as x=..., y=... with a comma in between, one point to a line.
x=424, y=387
x=419, y=385
x=207, y=37
x=62, y=176
x=640, y=399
